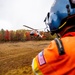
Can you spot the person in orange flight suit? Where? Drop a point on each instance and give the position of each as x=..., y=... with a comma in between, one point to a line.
x=59, y=57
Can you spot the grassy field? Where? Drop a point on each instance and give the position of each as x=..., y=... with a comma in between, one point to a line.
x=16, y=58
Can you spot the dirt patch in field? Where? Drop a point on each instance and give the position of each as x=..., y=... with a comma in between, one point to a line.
x=16, y=58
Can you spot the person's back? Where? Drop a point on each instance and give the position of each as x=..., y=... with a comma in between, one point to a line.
x=59, y=57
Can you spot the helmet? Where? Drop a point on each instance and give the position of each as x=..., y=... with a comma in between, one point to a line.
x=61, y=13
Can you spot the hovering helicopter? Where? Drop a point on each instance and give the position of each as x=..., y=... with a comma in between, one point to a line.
x=34, y=32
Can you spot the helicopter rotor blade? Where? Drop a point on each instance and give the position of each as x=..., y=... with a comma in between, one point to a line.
x=29, y=27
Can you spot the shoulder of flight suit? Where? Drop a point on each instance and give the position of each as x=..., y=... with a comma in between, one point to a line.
x=51, y=52
x=49, y=62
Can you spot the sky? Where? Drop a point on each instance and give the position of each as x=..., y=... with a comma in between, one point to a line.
x=16, y=13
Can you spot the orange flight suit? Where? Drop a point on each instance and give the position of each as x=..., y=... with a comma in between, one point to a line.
x=49, y=62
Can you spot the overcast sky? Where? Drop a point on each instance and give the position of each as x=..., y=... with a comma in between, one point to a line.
x=16, y=13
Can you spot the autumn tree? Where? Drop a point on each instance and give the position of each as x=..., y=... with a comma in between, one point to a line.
x=2, y=34
x=6, y=35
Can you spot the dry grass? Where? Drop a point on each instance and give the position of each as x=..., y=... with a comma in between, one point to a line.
x=16, y=58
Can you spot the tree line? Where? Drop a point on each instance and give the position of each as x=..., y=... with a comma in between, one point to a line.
x=21, y=35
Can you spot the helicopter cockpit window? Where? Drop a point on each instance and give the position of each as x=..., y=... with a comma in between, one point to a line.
x=72, y=2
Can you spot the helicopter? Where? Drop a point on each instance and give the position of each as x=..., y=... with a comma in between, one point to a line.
x=34, y=33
